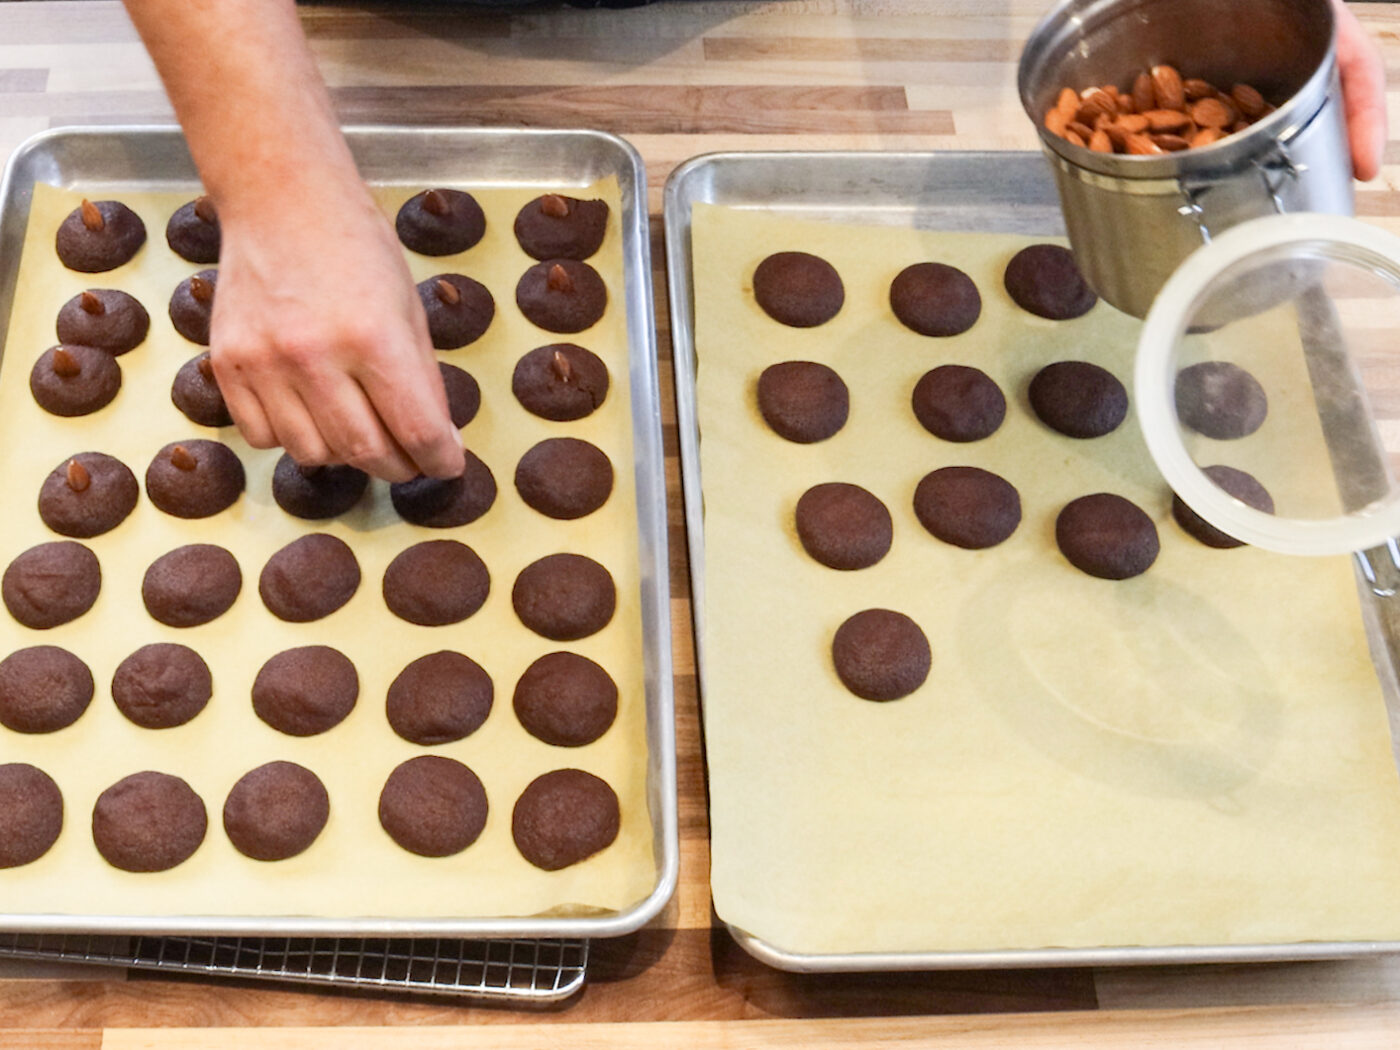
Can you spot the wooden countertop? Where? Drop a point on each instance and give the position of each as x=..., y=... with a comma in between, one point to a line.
x=676, y=79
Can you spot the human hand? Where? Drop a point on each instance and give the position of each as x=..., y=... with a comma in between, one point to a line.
x=1363, y=93
x=319, y=342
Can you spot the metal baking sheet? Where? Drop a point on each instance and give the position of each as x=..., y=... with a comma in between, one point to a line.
x=966, y=192
x=116, y=158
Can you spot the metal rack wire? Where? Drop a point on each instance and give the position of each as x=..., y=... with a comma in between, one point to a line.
x=516, y=972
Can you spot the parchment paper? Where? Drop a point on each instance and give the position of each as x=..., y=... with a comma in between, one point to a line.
x=1199, y=755
x=353, y=869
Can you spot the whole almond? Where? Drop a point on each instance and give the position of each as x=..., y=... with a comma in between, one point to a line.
x=1099, y=142
x=1249, y=101
x=1166, y=119
x=447, y=292
x=1082, y=130
x=1126, y=104
x=64, y=364
x=1167, y=88
x=1141, y=145
x=92, y=217
x=1097, y=96
x=1101, y=103
x=1072, y=137
x=91, y=304
x=1144, y=97
x=1212, y=113
x=1133, y=123
x=201, y=291
x=1205, y=137
x=1068, y=102
x=1238, y=125
x=1055, y=121
x=182, y=459
x=1195, y=87
x=1170, y=143
x=77, y=476
x=1117, y=134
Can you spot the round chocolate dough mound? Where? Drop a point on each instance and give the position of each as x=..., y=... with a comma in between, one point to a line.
x=1107, y=536
x=74, y=380
x=935, y=299
x=803, y=401
x=193, y=231
x=880, y=654
x=433, y=806
x=1078, y=399
x=316, y=493
x=309, y=578
x=191, y=585
x=305, y=691
x=463, y=394
x=843, y=526
x=566, y=700
x=459, y=309
x=194, y=479
x=196, y=393
x=562, y=295
x=31, y=814
x=276, y=811
x=798, y=289
x=98, y=236
x=557, y=227
x=148, y=822
x=162, y=685
x=1220, y=400
x=560, y=382
x=444, y=504
x=1045, y=280
x=564, y=478
x=87, y=495
x=959, y=403
x=192, y=305
x=967, y=506
x=440, y=222
x=564, y=817
x=104, y=318
x=439, y=698
x=51, y=584
x=564, y=597
x=1244, y=487
x=43, y=689
x=435, y=583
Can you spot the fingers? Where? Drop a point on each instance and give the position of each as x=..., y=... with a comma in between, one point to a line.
x=355, y=434
x=413, y=408
x=1362, y=74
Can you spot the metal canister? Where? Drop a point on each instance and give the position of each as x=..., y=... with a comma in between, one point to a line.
x=1133, y=219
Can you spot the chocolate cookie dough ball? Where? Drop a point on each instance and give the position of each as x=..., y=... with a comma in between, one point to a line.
x=104, y=318
x=1078, y=399
x=564, y=817
x=276, y=811
x=935, y=299
x=439, y=698
x=196, y=393
x=316, y=493
x=1107, y=536
x=433, y=806
x=309, y=578
x=87, y=495
x=192, y=305
x=1237, y=483
x=74, y=380
x=436, y=583
x=438, y=503
x=194, y=479
x=148, y=822
x=798, y=289
x=564, y=597
x=51, y=584
x=463, y=394
x=98, y=236
x=162, y=685
x=191, y=585
x=558, y=227
x=566, y=700
x=562, y=295
x=43, y=689
x=1220, y=400
x=880, y=654
x=843, y=526
x=564, y=478
x=959, y=403
x=1045, y=280
x=967, y=506
x=560, y=382
x=440, y=222
x=31, y=814
x=459, y=309
x=803, y=401
x=305, y=691
x=193, y=231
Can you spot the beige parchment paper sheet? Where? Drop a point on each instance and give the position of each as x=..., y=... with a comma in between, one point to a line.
x=354, y=869
x=1199, y=755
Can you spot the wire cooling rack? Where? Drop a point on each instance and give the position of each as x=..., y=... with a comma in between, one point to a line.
x=517, y=972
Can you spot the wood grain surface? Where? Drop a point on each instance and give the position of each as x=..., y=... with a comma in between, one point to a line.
x=677, y=79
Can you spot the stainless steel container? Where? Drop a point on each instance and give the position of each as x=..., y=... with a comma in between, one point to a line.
x=1133, y=219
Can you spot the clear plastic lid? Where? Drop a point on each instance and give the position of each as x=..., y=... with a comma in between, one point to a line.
x=1268, y=384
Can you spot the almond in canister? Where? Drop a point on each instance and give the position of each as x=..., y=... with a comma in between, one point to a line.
x=1205, y=137
x=1055, y=122
x=1212, y=113
x=1195, y=87
x=1082, y=130
x=1144, y=97
x=1099, y=142
x=1170, y=143
x=1142, y=146
x=1067, y=103
x=1166, y=119
x=1248, y=101
x=1167, y=87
